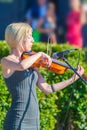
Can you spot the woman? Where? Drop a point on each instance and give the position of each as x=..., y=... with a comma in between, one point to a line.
x=75, y=21
x=21, y=79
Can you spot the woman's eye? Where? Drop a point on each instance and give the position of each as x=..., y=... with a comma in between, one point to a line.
x=29, y=36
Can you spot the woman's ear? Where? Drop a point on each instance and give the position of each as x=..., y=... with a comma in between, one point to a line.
x=22, y=44
x=24, y=40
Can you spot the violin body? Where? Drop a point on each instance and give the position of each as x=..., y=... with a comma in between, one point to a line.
x=56, y=66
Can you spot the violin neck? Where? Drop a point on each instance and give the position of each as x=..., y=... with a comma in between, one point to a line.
x=60, y=63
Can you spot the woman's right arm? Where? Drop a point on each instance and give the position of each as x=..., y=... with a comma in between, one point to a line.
x=25, y=63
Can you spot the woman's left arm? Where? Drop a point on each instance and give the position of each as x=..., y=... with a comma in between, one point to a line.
x=47, y=89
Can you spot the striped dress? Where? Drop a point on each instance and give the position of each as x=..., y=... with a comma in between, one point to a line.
x=24, y=111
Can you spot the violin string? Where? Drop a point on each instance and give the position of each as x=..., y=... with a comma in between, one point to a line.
x=71, y=94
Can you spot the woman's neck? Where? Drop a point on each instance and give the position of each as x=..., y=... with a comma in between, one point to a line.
x=16, y=52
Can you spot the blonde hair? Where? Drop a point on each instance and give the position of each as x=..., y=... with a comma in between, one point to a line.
x=15, y=32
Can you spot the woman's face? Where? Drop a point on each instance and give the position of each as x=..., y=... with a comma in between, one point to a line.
x=28, y=42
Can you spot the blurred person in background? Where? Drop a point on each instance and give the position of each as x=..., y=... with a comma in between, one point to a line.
x=75, y=21
x=47, y=25
x=36, y=11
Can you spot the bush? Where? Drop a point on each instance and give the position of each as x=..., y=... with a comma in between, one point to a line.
x=53, y=107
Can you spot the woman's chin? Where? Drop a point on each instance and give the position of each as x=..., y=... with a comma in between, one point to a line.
x=28, y=49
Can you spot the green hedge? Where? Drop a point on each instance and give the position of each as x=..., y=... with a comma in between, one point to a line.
x=53, y=107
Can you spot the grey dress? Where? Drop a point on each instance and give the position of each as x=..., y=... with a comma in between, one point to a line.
x=24, y=111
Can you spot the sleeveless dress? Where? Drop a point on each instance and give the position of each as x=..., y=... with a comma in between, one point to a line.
x=24, y=111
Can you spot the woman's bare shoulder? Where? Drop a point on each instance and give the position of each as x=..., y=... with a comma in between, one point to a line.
x=6, y=61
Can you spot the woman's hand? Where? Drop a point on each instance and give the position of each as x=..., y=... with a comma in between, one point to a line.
x=80, y=71
x=45, y=58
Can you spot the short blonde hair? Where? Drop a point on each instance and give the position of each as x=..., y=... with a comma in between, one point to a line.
x=15, y=32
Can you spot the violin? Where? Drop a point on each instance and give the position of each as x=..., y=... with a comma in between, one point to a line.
x=56, y=66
